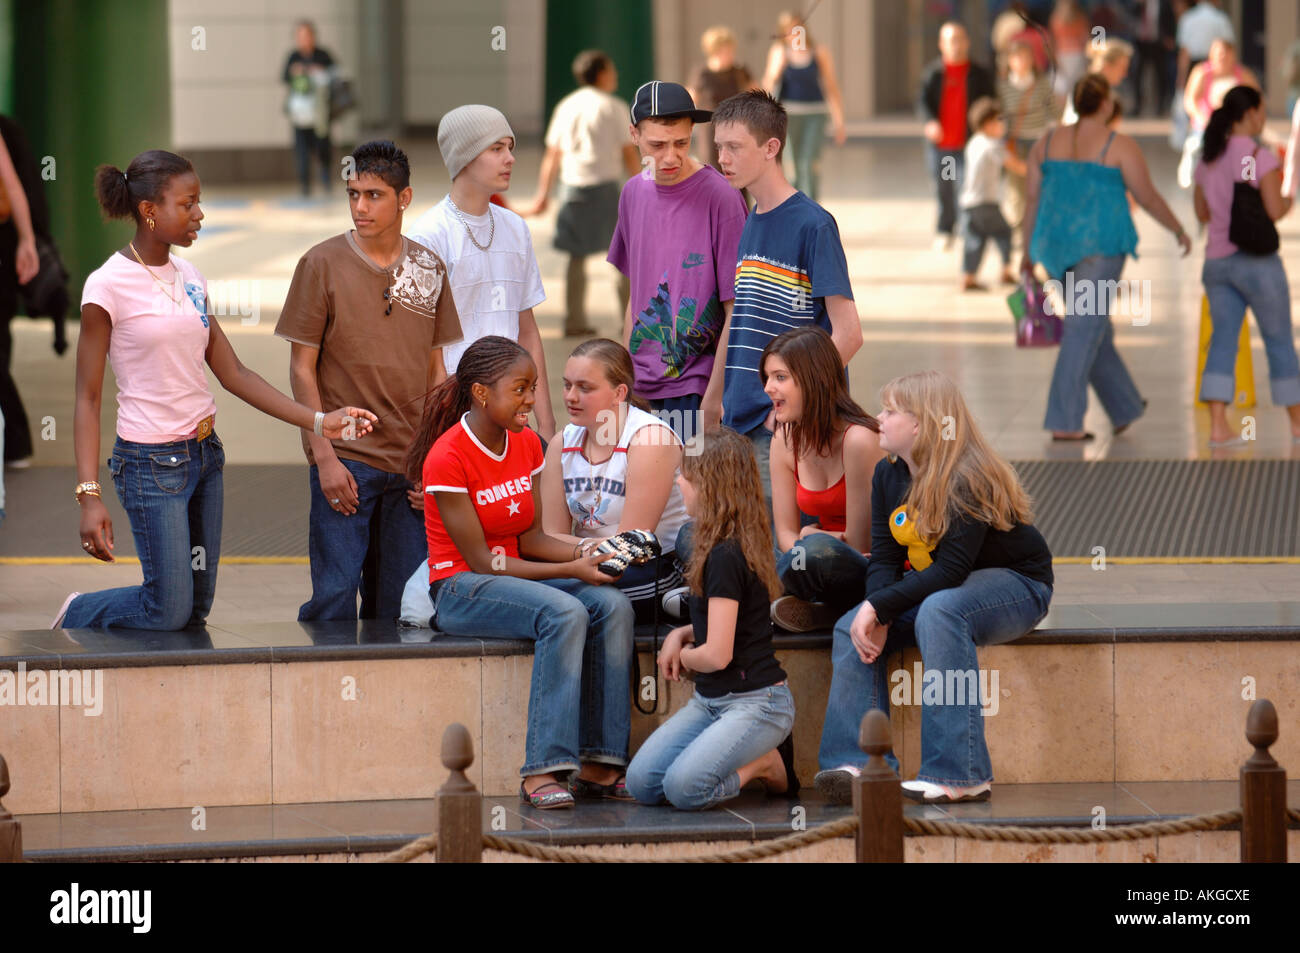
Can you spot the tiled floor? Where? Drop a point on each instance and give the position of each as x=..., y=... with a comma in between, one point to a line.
x=385, y=825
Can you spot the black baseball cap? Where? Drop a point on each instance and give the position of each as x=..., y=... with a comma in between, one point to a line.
x=656, y=100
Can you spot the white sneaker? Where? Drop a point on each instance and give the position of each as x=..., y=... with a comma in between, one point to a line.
x=676, y=602
x=942, y=241
x=22, y=463
x=63, y=610
x=929, y=793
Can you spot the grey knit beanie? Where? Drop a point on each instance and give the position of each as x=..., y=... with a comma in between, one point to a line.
x=468, y=130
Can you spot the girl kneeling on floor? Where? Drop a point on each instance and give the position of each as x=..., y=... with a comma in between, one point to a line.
x=736, y=727
x=980, y=574
x=494, y=574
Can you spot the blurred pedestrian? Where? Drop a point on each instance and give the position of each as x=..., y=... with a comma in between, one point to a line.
x=1077, y=225
x=1069, y=26
x=1153, y=51
x=719, y=78
x=949, y=87
x=1110, y=58
x=1207, y=84
x=1028, y=108
x=17, y=245
x=801, y=75
x=1237, y=277
x=589, y=151
x=308, y=73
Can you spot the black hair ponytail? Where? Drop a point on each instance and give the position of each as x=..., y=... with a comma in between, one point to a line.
x=1238, y=101
x=120, y=193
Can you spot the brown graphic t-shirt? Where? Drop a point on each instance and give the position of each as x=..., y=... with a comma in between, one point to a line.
x=370, y=359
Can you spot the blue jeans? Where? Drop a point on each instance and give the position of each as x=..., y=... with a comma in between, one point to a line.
x=1088, y=355
x=992, y=606
x=946, y=189
x=691, y=760
x=805, y=135
x=579, y=705
x=339, y=546
x=761, y=438
x=1259, y=282
x=983, y=222
x=821, y=568
x=681, y=413
x=172, y=494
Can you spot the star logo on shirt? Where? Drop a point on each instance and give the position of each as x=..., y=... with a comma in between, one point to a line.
x=513, y=508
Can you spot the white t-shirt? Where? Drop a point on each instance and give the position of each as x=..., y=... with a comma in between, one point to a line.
x=982, y=176
x=595, y=494
x=589, y=126
x=1201, y=26
x=490, y=287
x=157, y=345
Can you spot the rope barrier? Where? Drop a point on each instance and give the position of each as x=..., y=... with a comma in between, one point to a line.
x=847, y=826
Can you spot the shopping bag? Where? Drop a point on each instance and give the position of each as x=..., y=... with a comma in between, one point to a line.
x=1036, y=325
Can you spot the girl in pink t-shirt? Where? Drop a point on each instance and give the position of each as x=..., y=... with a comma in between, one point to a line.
x=1235, y=278
x=146, y=312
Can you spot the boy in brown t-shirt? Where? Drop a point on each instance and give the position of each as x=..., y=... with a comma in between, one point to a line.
x=364, y=313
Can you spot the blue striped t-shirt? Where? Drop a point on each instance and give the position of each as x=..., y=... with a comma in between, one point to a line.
x=789, y=261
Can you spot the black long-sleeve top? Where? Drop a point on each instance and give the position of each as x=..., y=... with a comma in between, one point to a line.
x=968, y=545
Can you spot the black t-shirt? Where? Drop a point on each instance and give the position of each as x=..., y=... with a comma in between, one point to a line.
x=752, y=666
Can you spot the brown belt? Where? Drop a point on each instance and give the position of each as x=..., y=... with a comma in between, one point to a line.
x=204, y=429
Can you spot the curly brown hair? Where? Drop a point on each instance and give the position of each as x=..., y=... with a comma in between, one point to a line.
x=729, y=504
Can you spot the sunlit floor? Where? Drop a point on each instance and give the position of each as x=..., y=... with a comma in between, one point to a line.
x=913, y=315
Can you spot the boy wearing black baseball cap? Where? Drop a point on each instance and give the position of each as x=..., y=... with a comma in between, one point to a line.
x=679, y=226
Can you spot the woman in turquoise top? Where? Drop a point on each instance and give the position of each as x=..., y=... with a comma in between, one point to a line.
x=1077, y=225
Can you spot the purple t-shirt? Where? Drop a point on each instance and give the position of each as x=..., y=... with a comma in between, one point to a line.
x=1217, y=179
x=677, y=245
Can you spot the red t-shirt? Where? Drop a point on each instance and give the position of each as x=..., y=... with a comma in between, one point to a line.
x=952, y=106
x=499, y=487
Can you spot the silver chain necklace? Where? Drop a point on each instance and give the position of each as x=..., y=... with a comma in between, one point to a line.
x=492, y=224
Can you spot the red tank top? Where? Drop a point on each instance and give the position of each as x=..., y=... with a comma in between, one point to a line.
x=830, y=505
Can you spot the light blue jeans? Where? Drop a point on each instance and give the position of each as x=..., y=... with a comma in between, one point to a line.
x=1259, y=282
x=992, y=606
x=172, y=494
x=691, y=760
x=580, y=703
x=1088, y=355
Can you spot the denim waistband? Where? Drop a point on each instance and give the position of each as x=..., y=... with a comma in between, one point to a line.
x=133, y=448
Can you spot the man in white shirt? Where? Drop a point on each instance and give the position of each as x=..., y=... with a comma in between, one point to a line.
x=487, y=248
x=588, y=150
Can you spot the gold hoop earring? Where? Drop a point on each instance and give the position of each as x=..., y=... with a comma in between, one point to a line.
x=151, y=225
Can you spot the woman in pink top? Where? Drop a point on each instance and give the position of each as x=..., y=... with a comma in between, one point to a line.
x=1234, y=278
x=1207, y=84
x=823, y=455
x=146, y=311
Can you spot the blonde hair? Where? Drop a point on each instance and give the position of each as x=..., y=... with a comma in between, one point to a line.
x=787, y=21
x=716, y=38
x=729, y=504
x=956, y=473
x=1111, y=51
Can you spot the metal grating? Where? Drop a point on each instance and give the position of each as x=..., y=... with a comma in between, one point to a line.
x=1167, y=508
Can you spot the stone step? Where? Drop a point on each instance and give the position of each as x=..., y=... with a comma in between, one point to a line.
x=365, y=830
x=289, y=713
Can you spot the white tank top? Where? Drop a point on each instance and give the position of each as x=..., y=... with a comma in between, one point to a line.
x=595, y=494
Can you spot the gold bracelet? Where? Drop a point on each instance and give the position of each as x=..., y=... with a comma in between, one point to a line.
x=86, y=488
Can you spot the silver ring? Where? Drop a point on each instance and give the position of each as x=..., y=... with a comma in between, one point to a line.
x=334, y=502
x=85, y=545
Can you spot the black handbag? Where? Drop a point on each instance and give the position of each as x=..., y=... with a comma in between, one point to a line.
x=46, y=295
x=1249, y=227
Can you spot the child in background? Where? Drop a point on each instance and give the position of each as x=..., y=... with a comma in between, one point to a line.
x=737, y=726
x=981, y=192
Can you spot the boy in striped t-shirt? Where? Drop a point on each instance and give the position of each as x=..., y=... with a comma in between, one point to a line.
x=790, y=268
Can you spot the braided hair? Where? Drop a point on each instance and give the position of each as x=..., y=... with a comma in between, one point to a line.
x=485, y=362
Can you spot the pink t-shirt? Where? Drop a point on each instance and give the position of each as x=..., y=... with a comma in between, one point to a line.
x=1217, y=180
x=156, y=349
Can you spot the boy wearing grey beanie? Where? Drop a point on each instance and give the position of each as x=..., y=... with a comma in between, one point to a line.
x=487, y=247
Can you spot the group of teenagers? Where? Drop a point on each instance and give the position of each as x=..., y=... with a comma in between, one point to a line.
x=416, y=368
